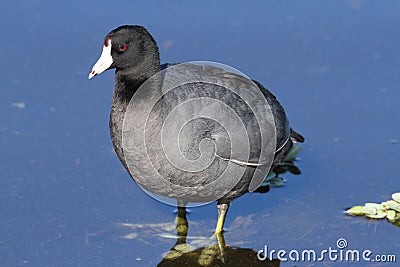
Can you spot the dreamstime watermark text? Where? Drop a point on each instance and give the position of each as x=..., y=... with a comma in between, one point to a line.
x=339, y=253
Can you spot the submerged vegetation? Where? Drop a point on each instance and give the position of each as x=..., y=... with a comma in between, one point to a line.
x=287, y=165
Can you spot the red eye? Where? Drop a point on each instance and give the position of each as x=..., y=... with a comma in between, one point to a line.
x=122, y=47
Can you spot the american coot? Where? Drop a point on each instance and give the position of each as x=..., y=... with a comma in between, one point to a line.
x=186, y=134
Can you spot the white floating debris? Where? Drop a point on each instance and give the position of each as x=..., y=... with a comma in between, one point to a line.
x=19, y=105
x=130, y=236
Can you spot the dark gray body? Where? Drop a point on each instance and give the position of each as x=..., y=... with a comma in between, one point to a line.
x=198, y=131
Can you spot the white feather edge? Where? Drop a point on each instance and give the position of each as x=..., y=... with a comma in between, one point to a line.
x=241, y=162
x=247, y=163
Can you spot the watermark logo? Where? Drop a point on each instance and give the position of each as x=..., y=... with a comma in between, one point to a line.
x=340, y=253
x=341, y=243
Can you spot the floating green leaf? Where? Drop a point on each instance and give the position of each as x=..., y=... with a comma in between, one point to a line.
x=356, y=210
x=375, y=206
x=286, y=165
x=394, y=205
x=389, y=209
x=270, y=176
x=379, y=215
x=396, y=197
x=291, y=155
x=391, y=214
x=359, y=210
x=277, y=181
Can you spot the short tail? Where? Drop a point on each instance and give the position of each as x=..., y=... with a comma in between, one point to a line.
x=296, y=137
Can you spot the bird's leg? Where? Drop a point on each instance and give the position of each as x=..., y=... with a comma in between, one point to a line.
x=221, y=245
x=222, y=211
x=182, y=225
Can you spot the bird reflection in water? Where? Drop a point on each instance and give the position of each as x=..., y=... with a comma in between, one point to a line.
x=213, y=254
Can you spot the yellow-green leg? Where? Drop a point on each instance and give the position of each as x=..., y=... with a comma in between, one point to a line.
x=222, y=211
x=182, y=225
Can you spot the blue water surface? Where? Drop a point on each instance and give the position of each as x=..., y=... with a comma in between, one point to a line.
x=333, y=64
